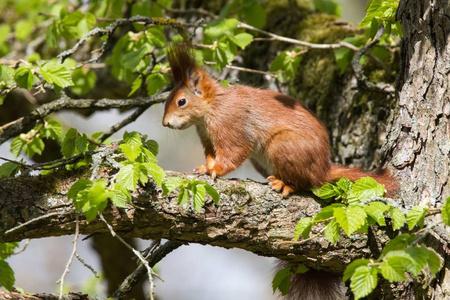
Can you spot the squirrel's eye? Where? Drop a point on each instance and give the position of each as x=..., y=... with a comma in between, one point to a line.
x=182, y=102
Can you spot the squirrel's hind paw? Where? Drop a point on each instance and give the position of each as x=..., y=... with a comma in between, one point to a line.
x=279, y=186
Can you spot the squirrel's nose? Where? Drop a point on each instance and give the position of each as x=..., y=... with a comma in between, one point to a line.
x=165, y=123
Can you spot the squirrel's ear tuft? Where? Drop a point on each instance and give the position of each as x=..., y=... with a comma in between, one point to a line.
x=194, y=83
x=182, y=61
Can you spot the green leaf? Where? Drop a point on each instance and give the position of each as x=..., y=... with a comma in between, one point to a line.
x=68, y=144
x=393, y=270
x=199, y=192
x=4, y=32
x=419, y=256
x=35, y=146
x=127, y=177
x=131, y=151
x=327, y=191
x=136, y=85
x=7, y=249
x=155, y=82
x=330, y=7
x=9, y=169
x=24, y=77
x=93, y=200
x=171, y=184
x=131, y=60
x=52, y=34
x=344, y=184
x=333, y=232
x=327, y=212
x=119, y=195
x=6, y=76
x=303, y=228
x=376, y=211
x=153, y=146
x=56, y=74
x=446, y=212
x=132, y=138
x=242, y=40
x=78, y=186
x=254, y=14
x=52, y=130
x=84, y=81
x=365, y=188
x=6, y=275
x=16, y=145
x=156, y=37
x=400, y=242
x=398, y=218
x=350, y=219
x=416, y=216
x=147, y=156
x=81, y=143
x=344, y=56
x=350, y=269
x=434, y=263
x=212, y=192
x=363, y=281
x=155, y=171
x=221, y=27
x=183, y=196
x=282, y=281
x=86, y=24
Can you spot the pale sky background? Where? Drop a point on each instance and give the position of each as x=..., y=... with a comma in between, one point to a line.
x=190, y=272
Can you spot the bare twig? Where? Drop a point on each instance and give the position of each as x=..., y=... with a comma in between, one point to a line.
x=16, y=127
x=299, y=42
x=109, y=31
x=84, y=263
x=150, y=272
x=69, y=262
x=27, y=242
x=362, y=79
x=39, y=218
x=153, y=257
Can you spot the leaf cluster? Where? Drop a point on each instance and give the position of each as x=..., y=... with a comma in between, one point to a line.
x=198, y=190
x=354, y=214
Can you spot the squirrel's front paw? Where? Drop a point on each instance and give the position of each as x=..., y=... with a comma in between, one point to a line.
x=202, y=170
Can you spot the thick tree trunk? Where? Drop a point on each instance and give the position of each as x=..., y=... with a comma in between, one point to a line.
x=419, y=135
x=418, y=140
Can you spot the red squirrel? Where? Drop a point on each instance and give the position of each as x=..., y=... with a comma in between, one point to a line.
x=283, y=139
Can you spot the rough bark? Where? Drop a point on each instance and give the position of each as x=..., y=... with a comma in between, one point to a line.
x=419, y=135
x=250, y=216
x=418, y=140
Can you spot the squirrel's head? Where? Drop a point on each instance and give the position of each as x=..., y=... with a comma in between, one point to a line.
x=190, y=98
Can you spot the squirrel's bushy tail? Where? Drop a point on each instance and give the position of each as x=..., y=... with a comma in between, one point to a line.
x=314, y=285
x=382, y=176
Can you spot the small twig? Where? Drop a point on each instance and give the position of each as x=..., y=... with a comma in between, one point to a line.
x=27, y=242
x=299, y=42
x=16, y=127
x=150, y=272
x=69, y=262
x=153, y=257
x=362, y=79
x=109, y=31
x=39, y=218
x=84, y=263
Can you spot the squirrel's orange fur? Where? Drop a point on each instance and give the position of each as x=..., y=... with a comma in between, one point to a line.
x=283, y=139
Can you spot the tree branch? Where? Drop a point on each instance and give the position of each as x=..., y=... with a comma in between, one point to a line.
x=250, y=216
x=20, y=125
